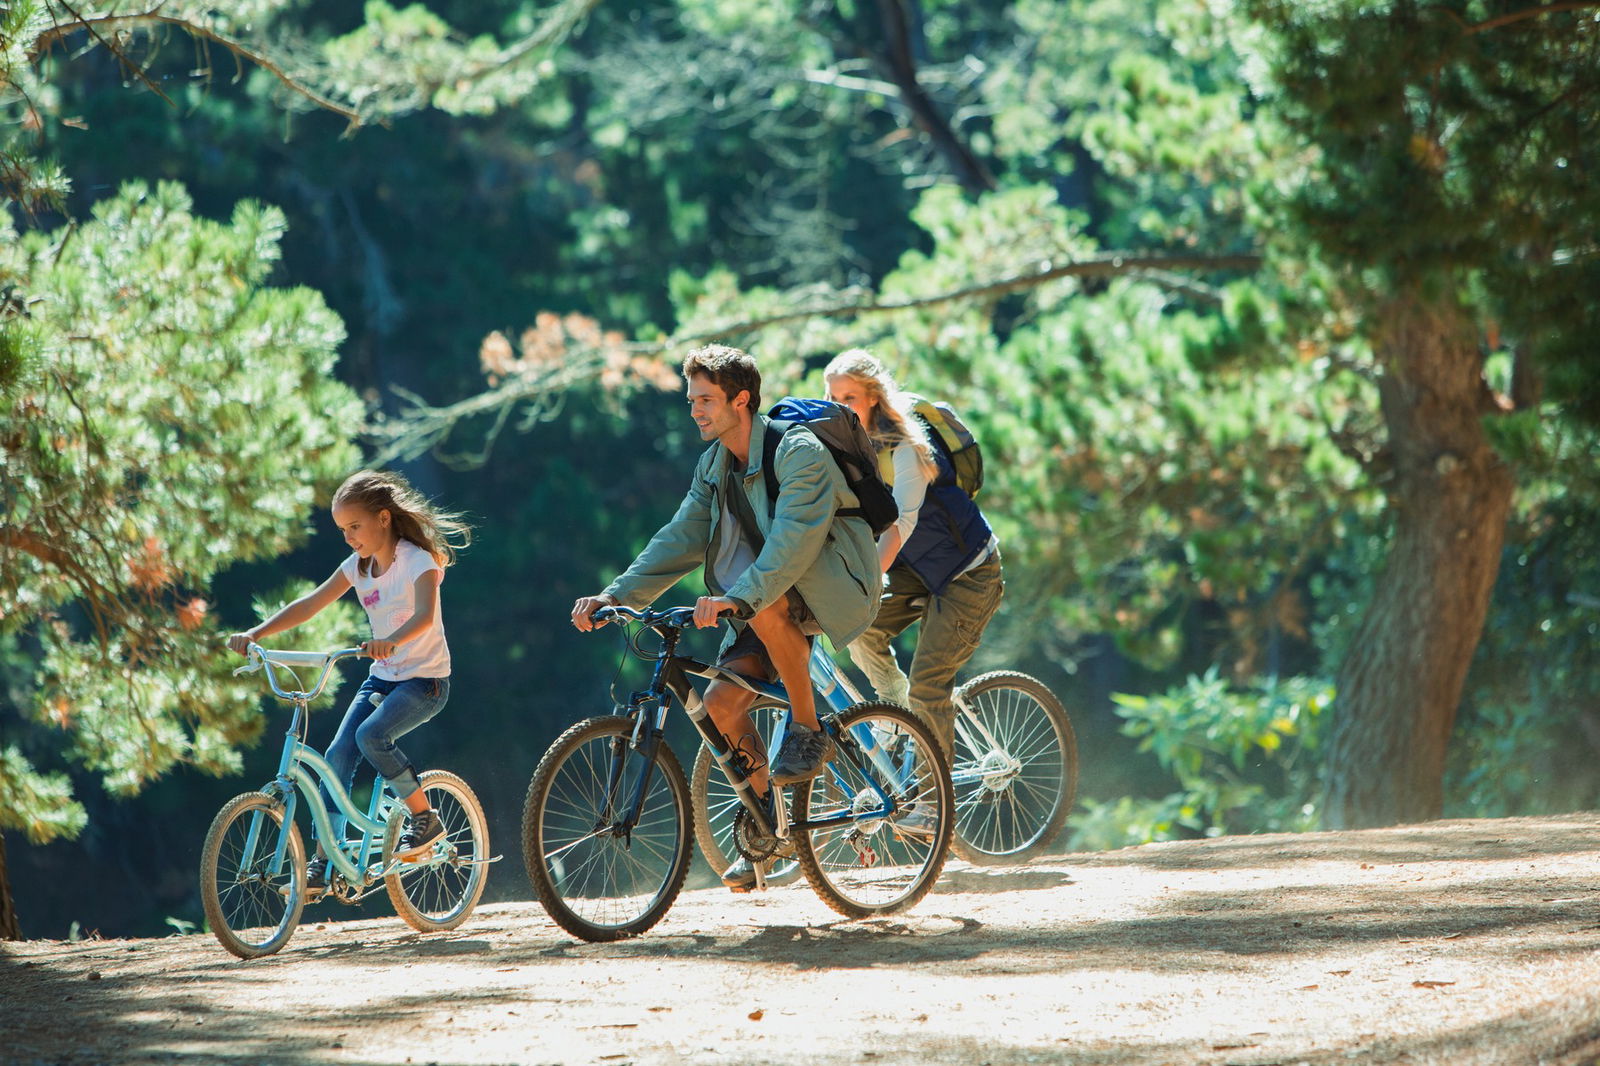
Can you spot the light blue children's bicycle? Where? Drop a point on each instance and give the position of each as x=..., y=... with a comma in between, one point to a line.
x=253, y=866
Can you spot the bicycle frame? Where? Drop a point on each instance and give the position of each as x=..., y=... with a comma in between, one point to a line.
x=671, y=677
x=301, y=769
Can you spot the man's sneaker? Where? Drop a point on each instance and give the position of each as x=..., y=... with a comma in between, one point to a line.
x=802, y=755
x=741, y=876
x=420, y=834
x=316, y=877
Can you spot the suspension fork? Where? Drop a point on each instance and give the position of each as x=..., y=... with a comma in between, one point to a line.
x=648, y=709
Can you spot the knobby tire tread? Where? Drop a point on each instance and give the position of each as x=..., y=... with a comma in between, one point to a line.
x=538, y=873
x=413, y=916
x=210, y=854
x=812, y=867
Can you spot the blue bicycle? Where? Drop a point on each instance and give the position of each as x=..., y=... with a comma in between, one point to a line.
x=253, y=865
x=608, y=818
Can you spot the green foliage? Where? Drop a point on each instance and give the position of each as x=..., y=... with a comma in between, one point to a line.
x=1454, y=155
x=1147, y=479
x=1244, y=759
x=400, y=60
x=1182, y=461
x=176, y=417
x=40, y=805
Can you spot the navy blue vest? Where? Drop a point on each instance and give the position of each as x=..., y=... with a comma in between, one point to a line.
x=950, y=531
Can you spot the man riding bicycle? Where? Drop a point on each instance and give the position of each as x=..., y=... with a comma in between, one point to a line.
x=784, y=573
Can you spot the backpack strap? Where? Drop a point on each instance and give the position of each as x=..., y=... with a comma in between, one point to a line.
x=886, y=466
x=940, y=445
x=769, y=461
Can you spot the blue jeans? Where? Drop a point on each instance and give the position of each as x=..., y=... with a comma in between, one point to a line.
x=373, y=730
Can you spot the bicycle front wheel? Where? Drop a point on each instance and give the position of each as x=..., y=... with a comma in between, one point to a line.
x=1015, y=769
x=888, y=787
x=440, y=891
x=599, y=881
x=716, y=802
x=252, y=903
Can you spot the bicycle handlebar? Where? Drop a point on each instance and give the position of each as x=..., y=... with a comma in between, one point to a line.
x=264, y=658
x=678, y=617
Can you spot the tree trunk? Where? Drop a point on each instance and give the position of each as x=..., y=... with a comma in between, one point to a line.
x=10, y=928
x=1401, y=681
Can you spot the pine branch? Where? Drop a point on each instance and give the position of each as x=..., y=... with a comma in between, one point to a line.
x=422, y=426
x=1513, y=17
x=556, y=27
x=1100, y=266
x=89, y=26
x=113, y=23
x=902, y=69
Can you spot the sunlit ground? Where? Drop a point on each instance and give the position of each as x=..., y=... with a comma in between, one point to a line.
x=1465, y=942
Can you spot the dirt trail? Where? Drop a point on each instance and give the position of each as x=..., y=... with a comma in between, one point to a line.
x=1451, y=943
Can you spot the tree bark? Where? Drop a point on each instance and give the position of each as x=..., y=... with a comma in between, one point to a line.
x=10, y=928
x=1401, y=682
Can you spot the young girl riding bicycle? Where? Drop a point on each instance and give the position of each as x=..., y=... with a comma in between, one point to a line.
x=400, y=545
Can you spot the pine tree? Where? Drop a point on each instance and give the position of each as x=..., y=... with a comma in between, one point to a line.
x=164, y=414
x=1456, y=148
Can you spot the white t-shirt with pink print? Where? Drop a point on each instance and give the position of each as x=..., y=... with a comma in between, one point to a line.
x=390, y=599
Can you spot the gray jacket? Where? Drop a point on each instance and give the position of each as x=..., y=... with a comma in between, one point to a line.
x=833, y=562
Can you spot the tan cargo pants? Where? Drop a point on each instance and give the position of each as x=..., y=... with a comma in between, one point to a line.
x=952, y=625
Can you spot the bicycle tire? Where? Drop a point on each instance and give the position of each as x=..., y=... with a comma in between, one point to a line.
x=602, y=888
x=1015, y=795
x=441, y=893
x=250, y=913
x=871, y=866
x=715, y=803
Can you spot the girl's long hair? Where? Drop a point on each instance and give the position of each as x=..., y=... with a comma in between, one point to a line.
x=439, y=533
x=892, y=420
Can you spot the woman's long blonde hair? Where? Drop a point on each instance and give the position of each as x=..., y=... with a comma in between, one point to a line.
x=439, y=533
x=892, y=421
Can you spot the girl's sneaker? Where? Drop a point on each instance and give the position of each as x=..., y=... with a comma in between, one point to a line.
x=316, y=877
x=420, y=834
x=741, y=876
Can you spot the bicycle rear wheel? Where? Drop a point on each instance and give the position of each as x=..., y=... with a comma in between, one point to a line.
x=441, y=891
x=715, y=802
x=600, y=884
x=252, y=908
x=876, y=862
x=1015, y=769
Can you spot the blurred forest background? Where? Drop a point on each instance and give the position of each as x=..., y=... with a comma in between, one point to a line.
x=1277, y=320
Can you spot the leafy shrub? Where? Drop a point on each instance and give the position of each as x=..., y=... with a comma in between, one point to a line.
x=1244, y=760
